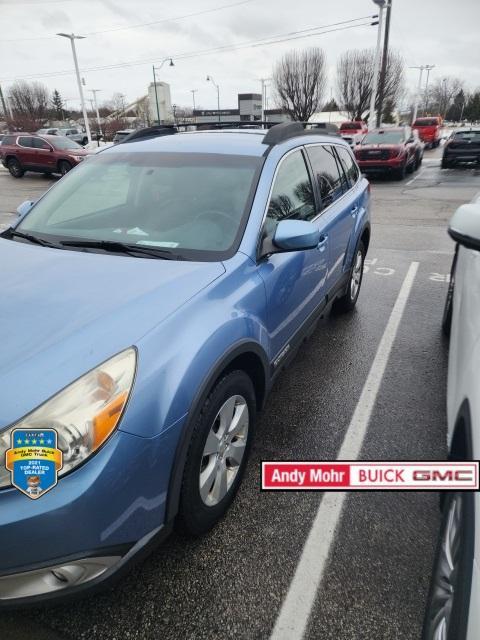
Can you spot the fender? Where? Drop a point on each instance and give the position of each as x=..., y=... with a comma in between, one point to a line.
x=239, y=349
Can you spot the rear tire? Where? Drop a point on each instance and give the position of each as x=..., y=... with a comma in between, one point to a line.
x=64, y=167
x=347, y=302
x=448, y=309
x=15, y=168
x=217, y=454
x=84, y=141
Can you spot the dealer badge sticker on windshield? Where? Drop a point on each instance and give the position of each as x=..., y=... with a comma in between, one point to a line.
x=34, y=461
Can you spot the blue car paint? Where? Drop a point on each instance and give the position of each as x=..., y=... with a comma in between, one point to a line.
x=64, y=312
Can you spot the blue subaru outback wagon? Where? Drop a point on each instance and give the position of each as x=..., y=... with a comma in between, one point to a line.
x=148, y=300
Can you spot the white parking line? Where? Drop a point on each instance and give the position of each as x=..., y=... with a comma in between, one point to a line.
x=295, y=611
x=413, y=179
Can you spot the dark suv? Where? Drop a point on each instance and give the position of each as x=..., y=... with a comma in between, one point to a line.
x=20, y=152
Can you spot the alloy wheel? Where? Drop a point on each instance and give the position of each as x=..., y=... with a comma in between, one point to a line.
x=446, y=572
x=356, y=278
x=224, y=450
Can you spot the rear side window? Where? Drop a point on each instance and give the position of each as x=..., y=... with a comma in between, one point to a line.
x=330, y=177
x=349, y=165
x=8, y=140
x=292, y=195
x=25, y=141
x=38, y=143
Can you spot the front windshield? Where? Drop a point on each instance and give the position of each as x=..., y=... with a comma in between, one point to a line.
x=191, y=204
x=383, y=137
x=474, y=136
x=65, y=143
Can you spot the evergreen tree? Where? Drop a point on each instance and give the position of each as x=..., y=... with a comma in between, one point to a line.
x=472, y=108
x=57, y=104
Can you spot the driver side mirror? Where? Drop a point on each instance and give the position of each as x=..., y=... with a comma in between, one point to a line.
x=464, y=226
x=24, y=208
x=292, y=235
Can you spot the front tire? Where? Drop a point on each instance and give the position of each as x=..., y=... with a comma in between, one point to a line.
x=217, y=454
x=347, y=302
x=445, y=164
x=401, y=172
x=64, y=167
x=15, y=168
x=447, y=605
x=448, y=309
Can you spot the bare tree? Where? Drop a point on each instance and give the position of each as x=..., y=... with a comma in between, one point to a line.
x=442, y=94
x=30, y=103
x=355, y=78
x=299, y=80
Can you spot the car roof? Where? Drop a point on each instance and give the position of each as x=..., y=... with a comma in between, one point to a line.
x=467, y=130
x=247, y=142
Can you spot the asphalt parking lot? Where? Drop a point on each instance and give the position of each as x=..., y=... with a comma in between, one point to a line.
x=233, y=583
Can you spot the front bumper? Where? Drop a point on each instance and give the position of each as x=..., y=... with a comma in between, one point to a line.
x=111, y=507
x=380, y=166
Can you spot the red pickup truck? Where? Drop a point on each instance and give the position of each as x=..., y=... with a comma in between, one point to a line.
x=429, y=130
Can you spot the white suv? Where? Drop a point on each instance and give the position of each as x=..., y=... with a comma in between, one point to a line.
x=453, y=610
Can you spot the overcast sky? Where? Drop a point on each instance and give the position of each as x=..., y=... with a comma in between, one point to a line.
x=439, y=32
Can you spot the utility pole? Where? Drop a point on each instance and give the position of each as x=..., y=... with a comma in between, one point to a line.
x=72, y=37
x=95, y=91
x=383, y=72
x=376, y=64
x=193, y=92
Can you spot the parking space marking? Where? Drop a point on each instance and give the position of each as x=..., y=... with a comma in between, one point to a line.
x=413, y=179
x=296, y=608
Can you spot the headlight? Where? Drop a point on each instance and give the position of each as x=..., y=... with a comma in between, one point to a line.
x=78, y=158
x=84, y=414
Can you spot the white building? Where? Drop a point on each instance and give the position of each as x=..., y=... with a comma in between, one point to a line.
x=161, y=97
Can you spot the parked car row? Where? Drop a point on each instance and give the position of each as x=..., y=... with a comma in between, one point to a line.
x=48, y=154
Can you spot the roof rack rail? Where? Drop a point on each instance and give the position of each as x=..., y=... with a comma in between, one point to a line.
x=285, y=130
x=150, y=132
x=275, y=132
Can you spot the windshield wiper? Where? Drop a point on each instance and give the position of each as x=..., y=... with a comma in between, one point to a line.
x=31, y=238
x=122, y=247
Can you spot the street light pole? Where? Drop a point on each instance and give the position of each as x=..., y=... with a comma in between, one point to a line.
x=428, y=67
x=155, y=82
x=376, y=64
x=95, y=91
x=383, y=71
x=421, y=68
x=72, y=37
x=210, y=79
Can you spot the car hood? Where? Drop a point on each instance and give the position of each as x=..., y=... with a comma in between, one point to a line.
x=64, y=312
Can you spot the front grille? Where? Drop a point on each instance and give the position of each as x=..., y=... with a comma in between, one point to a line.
x=374, y=154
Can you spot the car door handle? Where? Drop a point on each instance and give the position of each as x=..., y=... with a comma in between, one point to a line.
x=322, y=243
x=354, y=211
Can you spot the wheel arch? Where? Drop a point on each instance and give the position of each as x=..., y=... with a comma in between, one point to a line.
x=249, y=357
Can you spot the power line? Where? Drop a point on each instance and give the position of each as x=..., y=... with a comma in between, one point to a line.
x=138, y=26
x=293, y=35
